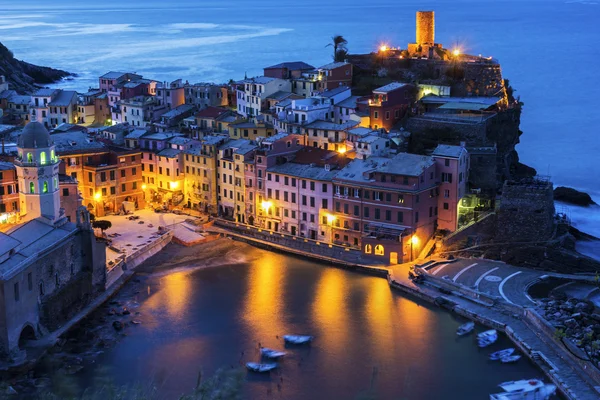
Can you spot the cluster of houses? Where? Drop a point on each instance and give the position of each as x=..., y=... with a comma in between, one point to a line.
x=292, y=151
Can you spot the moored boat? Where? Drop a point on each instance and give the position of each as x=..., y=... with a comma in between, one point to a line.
x=297, y=339
x=526, y=389
x=465, y=329
x=501, y=354
x=486, y=338
x=261, y=367
x=510, y=359
x=270, y=353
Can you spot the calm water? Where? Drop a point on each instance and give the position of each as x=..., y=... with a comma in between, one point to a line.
x=545, y=47
x=205, y=318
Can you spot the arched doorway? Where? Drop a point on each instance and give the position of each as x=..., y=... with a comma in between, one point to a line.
x=27, y=334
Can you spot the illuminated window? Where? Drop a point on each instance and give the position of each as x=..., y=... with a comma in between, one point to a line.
x=31, y=187
x=29, y=157
x=52, y=155
x=368, y=249
x=379, y=251
x=45, y=189
x=43, y=157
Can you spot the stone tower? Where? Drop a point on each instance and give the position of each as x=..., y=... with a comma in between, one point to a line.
x=37, y=173
x=425, y=27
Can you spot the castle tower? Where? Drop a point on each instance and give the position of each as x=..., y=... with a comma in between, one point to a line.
x=37, y=173
x=425, y=27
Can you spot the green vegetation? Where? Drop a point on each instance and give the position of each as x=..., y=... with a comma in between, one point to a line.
x=339, y=47
x=101, y=224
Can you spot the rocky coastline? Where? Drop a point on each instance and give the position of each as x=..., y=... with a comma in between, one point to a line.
x=573, y=196
x=24, y=77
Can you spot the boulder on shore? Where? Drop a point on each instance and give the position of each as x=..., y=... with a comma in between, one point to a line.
x=572, y=196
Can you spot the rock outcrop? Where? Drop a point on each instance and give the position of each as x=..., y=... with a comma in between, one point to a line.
x=23, y=76
x=572, y=196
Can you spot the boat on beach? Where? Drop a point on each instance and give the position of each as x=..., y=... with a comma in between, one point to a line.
x=271, y=353
x=526, y=389
x=261, y=367
x=297, y=339
x=465, y=329
x=501, y=354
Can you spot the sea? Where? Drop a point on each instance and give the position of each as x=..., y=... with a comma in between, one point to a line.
x=547, y=49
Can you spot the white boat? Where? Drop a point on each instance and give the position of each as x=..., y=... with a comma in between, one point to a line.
x=526, y=389
x=465, y=329
x=297, y=339
x=270, y=353
x=510, y=359
x=487, y=334
x=501, y=354
x=261, y=367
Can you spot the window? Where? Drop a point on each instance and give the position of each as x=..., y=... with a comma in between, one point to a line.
x=45, y=187
x=388, y=215
x=376, y=115
x=377, y=213
x=446, y=177
x=312, y=201
x=312, y=186
x=447, y=162
x=447, y=193
x=112, y=175
x=31, y=187
x=446, y=206
x=123, y=188
x=324, y=204
x=133, y=171
x=366, y=212
x=400, y=217
x=43, y=157
x=379, y=251
x=368, y=249
x=16, y=291
x=103, y=176
x=387, y=116
x=29, y=281
x=324, y=188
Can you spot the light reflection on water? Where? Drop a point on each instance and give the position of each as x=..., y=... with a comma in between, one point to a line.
x=366, y=335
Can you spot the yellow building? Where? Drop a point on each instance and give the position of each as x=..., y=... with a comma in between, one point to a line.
x=200, y=166
x=250, y=129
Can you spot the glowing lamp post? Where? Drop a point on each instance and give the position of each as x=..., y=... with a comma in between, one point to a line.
x=266, y=205
x=456, y=52
x=330, y=220
x=97, y=198
x=414, y=240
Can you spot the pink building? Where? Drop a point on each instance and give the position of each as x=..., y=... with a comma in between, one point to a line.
x=387, y=207
x=301, y=193
x=271, y=151
x=453, y=170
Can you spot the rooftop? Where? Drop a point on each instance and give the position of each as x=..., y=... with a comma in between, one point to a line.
x=234, y=144
x=179, y=140
x=361, y=131
x=446, y=150
x=136, y=134
x=305, y=171
x=177, y=111
x=292, y=65
x=433, y=99
x=370, y=139
x=113, y=75
x=211, y=112
x=333, y=65
x=350, y=102
x=28, y=240
x=44, y=92
x=334, y=92
x=389, y=87
x=169, y=153
x=76, y=142
x=401, y=164
x=279, y=95
x=19, y=99
x=330, y=125
x=6, y=166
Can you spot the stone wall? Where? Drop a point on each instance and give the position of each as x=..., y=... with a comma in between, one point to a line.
x=526, y=211
x=60, y=306
x=484, y=228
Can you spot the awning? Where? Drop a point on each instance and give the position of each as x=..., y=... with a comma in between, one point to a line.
x=465, y=106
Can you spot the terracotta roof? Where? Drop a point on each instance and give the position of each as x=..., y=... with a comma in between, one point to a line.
x=211, y=112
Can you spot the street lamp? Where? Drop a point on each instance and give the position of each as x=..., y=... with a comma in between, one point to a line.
x=265, y=206
x=97, y=198
x=330, y=220
x=414, y=240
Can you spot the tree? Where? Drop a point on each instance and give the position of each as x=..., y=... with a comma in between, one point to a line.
x=339, y=43
x=101, y=224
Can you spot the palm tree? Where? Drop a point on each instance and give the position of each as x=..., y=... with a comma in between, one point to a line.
x=339, y=43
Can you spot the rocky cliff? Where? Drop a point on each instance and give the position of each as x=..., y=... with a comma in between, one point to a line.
x=23, y=76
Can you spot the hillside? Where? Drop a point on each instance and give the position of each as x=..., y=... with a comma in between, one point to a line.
x=22, y=76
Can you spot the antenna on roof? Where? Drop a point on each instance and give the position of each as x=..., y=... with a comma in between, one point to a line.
x=245, y=74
